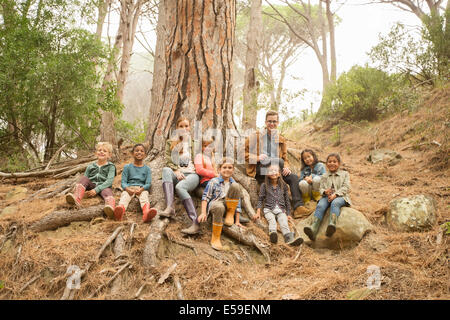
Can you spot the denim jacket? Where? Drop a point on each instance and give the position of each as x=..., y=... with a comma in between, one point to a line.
x=318, y=170
x=215, y=190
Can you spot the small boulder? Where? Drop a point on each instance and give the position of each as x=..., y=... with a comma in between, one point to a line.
x=414, y=213
x=17, y=193
x=8, y=211
x=351, y=226
x=384, y=155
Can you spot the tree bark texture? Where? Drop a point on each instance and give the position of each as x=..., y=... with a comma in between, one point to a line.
x=62, y=218
x=250, y=92
x=198, y=55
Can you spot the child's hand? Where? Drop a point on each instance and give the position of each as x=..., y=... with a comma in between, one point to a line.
x=290, y=219
x=328, y=192
x=331, y=197
x=139, y=191
x=91, y=193
x=130, y=191
x=257, y=215
x=202, y=217
x=180, y=176
x=308, y=179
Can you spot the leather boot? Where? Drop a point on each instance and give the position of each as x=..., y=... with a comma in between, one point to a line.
x=291, y=240
x=192, y=213
x=311, y=231
x=273, y=237
x=231, y=209
x=316, y=195
x=75, y=198
x=148, y=213
x=119, y=212
x=302, y=211
x=109, y=207
x=169, y=211
x=331, y=229
x=215, y=237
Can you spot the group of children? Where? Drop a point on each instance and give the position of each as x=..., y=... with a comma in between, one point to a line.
x=222, y=195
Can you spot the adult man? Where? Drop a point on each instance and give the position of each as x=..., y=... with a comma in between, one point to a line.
x=267, y=147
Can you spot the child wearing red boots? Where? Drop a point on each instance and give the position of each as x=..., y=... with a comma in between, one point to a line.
x=136, y=181
x=97, y=179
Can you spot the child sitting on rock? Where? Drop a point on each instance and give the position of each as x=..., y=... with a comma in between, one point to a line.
x=277, y=207
x=334, y=188
x=222, y=196
x=97, y=179
x=312, y=172
x=136, y=181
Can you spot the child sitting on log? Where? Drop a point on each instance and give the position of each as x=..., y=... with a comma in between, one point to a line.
x=136, y=182
x=97, y=179
x=334, y=188
x=222, y=196
x=274, y=197
x=312, y=172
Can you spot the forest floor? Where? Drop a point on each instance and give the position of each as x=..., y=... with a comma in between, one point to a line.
x=413, y=265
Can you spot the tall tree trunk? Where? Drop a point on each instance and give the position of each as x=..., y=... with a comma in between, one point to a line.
x=198, y=53
x=330, y=18
x=159, y=75
x=250, y=94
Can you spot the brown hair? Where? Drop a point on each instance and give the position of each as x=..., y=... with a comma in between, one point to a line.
x=224, y=161
x=336, y=155
x=175, y=140
x=280, y=182
x=272, y=113
x=312, y=153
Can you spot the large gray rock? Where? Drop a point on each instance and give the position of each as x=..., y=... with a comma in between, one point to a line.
x=414, y=213
x=17, y=193
x=351, y=226
x=384, y=155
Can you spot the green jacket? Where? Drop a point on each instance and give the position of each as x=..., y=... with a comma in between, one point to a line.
x=102, y=176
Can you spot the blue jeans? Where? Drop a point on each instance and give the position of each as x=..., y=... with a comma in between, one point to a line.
x=323, y=205
x=183, y=187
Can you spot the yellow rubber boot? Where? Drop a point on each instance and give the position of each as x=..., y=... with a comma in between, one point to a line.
x=215, y=237
x=231, y=209
x=316, y=195
x=306, y=198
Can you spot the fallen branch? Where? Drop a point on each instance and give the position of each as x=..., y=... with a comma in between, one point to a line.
x=167, y=273
x=130, y=240
x=108, y=242
x=138, y=293
x=298, y=253
x=40, y=173
x=29, y=283
x=119, y=246
x=110, y=280
x=62, y=218
x=185, y=244
x=54, y=157
x=177, y=284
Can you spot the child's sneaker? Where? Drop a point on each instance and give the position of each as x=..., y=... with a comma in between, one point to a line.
x=273, y=237
x=290, y=240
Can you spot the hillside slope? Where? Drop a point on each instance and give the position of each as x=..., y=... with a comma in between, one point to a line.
x=413, y=265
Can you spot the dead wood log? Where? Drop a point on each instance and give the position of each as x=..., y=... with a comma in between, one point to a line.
x=166, y=274
x=247, y=238
x=156, y=229
x=62, y=218
x=119, y=248
x=54, y=157
x=178, y=286
x=108, y=242
x=128, y=264
x=79, y=168
x=47, y=173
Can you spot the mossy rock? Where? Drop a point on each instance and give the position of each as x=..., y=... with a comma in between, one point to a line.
x=416, y=213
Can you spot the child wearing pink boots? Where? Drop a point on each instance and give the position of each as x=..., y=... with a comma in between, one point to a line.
x=136, y=181
x=97, y=179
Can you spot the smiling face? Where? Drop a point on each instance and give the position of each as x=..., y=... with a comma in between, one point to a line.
x=333, y=164
x=102, y=153
x=139, y=153
x=226, y=170
x=273, y=172
x=272, y=122
x=308, y=158
x=184, y=126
